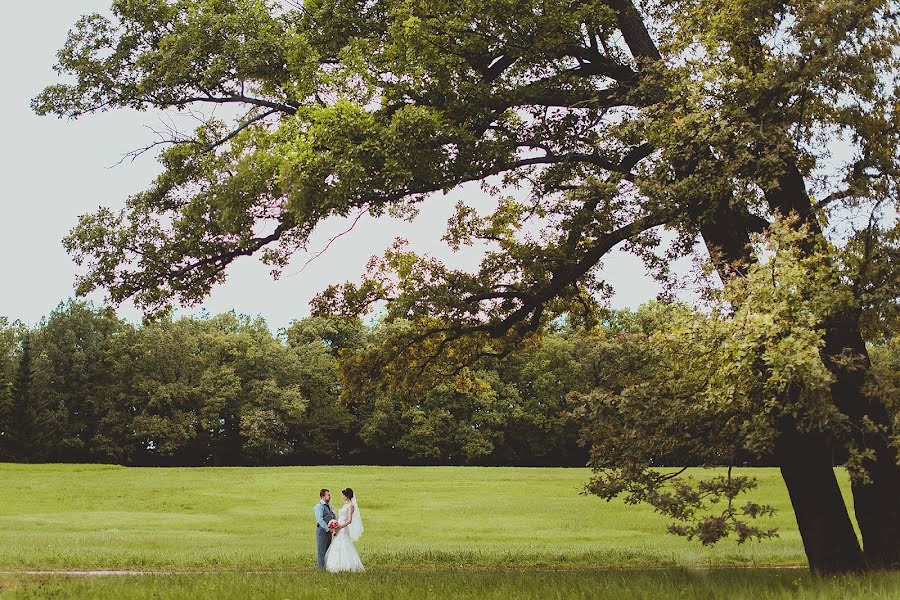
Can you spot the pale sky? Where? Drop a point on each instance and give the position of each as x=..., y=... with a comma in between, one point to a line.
x=55, y=170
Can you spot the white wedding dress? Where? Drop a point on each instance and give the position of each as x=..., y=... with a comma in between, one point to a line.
x=342, y=554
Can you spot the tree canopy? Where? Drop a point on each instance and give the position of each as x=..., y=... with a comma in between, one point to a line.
x=349, y=106
x=86, y=386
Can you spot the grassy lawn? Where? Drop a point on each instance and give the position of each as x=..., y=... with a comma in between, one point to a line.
x=749, y=584
x=430, y=533
x=87, y=516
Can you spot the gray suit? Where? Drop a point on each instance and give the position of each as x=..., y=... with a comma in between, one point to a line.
x=323, y=514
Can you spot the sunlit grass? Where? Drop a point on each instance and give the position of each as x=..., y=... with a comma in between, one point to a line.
x=87, y=516
x=761, y=584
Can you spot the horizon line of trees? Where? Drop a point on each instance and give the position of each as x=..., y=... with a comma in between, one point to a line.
x=84, y=385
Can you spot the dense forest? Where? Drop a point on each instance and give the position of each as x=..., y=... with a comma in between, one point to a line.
x=86, y=386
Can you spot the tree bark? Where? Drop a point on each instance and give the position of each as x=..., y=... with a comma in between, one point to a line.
x=828, y=537
x=877, y=501
x=829, y=540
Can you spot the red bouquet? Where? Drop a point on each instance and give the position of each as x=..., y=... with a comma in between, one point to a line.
x=333, y=524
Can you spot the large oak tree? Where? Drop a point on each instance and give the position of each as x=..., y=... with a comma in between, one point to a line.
x=714, y=119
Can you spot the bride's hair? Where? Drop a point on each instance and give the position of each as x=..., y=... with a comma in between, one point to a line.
x=348, y=492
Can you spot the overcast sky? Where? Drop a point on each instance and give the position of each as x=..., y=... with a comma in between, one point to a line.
x=55, y=170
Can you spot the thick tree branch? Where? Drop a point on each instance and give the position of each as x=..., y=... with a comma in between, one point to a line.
x=551, y=93
x=563, y=277
x=593, y=63
x=633, y=29
x=498, y=66
x=572, y=158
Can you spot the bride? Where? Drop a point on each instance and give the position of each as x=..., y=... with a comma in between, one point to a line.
x=342, y=555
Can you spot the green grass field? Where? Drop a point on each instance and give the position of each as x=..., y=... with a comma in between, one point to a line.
x=388, y=584
x=433, y=532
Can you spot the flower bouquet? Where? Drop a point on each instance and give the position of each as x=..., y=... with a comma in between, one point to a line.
x=333, y=524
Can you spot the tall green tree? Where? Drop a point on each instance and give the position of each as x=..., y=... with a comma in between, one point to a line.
x=183, y=393
x=32, y=429
x=715, y=387
x=10, y=334
x=74, y=373
x=613, y=119
x=543, y=378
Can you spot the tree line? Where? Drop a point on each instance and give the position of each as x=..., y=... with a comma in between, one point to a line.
x=86, y=386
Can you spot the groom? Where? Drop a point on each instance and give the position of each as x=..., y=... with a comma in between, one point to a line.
x=323, y=514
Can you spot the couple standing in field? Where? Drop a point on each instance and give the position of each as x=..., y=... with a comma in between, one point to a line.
x=335, y=551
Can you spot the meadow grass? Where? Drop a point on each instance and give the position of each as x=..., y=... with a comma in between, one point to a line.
x=747, y=584
x=447, y=532
x=110, y=517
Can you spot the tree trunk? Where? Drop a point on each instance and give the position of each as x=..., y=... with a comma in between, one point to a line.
x=876, y=502
x=829, y=540
x=826, y=530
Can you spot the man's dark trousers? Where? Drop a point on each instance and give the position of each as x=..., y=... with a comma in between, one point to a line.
x=323, y=537
x=323, y=540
